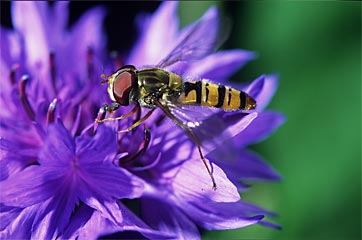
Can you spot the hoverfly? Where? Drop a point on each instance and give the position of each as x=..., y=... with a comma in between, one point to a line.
x=156, y=87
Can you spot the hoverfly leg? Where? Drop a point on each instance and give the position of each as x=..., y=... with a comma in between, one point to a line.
x=137, y=123
x=101, y=114
x=190, y=134
x=114, y=107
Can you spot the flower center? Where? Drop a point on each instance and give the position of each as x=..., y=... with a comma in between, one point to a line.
x=12, y=74
x=51, y=111
x=24, y=98
x=132, y=160
x=52, y=71
x=90, y=62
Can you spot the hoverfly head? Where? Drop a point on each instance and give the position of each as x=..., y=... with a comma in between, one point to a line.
x=121, y=84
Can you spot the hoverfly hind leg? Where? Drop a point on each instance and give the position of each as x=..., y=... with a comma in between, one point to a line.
x=190, y=134
x=214, y=187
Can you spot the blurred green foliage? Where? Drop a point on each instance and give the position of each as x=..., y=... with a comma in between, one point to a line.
x=315, y=47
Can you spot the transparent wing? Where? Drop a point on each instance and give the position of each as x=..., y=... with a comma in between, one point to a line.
x=199, y=39
x=209, y=127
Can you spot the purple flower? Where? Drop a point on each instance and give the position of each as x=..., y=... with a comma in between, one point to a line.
x=57, y=177
x=62, y=179
x=176, y=180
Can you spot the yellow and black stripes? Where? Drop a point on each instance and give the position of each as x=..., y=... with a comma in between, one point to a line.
x=213, y=95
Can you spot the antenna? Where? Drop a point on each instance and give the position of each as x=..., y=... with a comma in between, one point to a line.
x=104, y=77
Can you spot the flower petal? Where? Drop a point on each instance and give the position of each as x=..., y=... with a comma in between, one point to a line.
x=157, y=39
x=53, y=215
x=220, y=65
x=87, y=223
x=133, y=223
x=262, y=90
x=59, y=147
x=248, y=166
x=168, y=218
x=249, y=208
x=86, y=33
x=218, y=216
x=259, y=129
x=29, y=19
x=220, y=129
x=78, y=224
x=10, y=52
x=24, y=218
x=4, y=68
x=270, y=224
x=97, y=148
x=31, y=186
x=7, y=215
x=110, y=182
x=59, y=19
x=244, y=208
x=15, y=155
x=193, y=183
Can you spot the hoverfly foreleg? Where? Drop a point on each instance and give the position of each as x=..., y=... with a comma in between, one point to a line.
x=191, y=135
x=101, y=115
x=114, y=107
x=137, y=123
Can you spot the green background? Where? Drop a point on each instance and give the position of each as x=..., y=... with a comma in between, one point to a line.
x=315, y=47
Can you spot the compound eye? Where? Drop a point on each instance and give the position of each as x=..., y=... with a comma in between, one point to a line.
x=122, y=87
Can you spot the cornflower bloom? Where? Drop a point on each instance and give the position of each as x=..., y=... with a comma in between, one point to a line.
x=57, y=178
x=61, y=179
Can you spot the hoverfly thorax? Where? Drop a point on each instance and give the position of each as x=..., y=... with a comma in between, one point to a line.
x=121, y=85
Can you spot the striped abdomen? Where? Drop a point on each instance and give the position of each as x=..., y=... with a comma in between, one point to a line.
x=214, y=95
